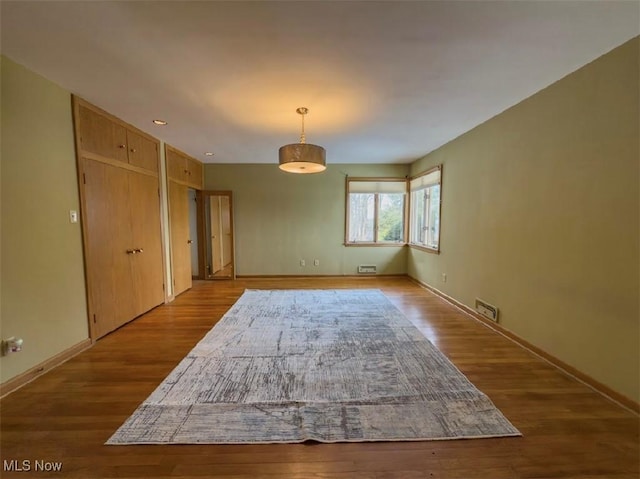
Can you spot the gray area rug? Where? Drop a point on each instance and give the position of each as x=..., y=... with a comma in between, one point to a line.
x=324, y=365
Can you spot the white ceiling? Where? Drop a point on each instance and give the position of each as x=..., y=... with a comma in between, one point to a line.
x=385, y=82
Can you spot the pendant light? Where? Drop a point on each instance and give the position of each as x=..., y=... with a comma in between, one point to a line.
x=302, y=157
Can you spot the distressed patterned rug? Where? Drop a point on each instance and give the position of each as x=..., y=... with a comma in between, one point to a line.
x=288, y=366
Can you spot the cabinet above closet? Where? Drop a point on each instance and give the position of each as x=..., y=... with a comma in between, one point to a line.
x=101, y=135
x=183, y=169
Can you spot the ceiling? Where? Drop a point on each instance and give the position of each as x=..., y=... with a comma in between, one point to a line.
x=385, y=82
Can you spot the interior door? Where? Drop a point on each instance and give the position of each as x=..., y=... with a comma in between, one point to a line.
x=180, y=241
x=216, y=255
x=147, y=234
x=193, y=233
x=216, y=234
x=225, y=220
x=108, y=246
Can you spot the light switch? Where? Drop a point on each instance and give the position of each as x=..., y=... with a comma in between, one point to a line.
x=73, y=216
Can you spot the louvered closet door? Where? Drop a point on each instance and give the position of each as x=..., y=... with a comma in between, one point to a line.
x=109, y=236
x=146, y=232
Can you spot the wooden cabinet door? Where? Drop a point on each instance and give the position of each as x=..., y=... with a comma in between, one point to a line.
x=180, y=241
x=107, y=239
x=194, y=173
x=176, y=166
x=100, y=135
x=146, y=239
x=184, y=169
x=143, y=152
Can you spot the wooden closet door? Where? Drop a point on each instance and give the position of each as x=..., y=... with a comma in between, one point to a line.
x=146, y=234
x=108, y=238
x=180, y=244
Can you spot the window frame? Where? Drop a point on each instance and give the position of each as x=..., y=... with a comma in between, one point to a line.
x=410, y=243
x=376, y=202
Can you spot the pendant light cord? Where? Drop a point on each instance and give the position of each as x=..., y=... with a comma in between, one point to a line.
x=302, y=137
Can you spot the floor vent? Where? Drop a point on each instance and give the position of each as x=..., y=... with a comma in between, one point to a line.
x=367, y=269
x=487, y=310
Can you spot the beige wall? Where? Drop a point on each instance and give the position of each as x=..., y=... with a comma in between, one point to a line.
x=43, y=292
x=540, y=216
x=281, y=218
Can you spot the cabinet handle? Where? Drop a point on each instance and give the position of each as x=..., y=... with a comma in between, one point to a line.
x=133, y=150
x=131, y=251
x=121, y=146
x=189, y=241
x=139, y=250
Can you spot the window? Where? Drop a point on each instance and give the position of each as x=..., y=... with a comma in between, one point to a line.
x=375, y=211
x=425, y=209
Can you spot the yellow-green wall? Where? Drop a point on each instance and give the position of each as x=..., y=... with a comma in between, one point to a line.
x=43, y=291
x=281, y=218
x=540, y=216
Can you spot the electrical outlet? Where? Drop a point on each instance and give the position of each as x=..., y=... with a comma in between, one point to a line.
x=444, y=277
x=11, y=345
x=302, y=263
x=316, y=262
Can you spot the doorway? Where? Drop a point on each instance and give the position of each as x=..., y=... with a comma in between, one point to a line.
x=216, y=249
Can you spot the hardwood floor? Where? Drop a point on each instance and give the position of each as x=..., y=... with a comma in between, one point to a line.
x=569, y=431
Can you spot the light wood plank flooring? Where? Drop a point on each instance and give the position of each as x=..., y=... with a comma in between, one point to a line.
x=66, y=415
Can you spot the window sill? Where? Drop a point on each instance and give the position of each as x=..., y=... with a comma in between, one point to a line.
x=424, y=248
x=397, y=245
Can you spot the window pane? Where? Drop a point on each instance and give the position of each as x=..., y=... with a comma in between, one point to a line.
x=424, y=228
x=425, y=216
x=417, y=216
x=361, y=210
x=390, y=217
x=433, y=213
x=376, y=210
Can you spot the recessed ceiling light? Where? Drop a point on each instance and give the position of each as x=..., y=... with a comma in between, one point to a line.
x=160, y=122
x=208, y=153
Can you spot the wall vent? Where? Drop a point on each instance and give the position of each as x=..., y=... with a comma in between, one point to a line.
x=487, y=310
x=367, y=269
